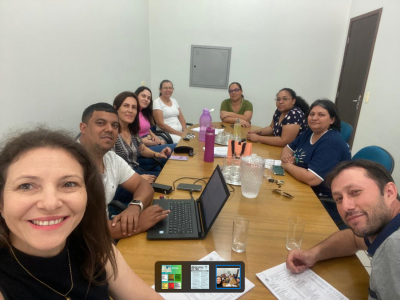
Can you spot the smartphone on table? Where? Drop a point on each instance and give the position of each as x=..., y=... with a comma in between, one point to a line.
x=178, y=157
x=278, y=170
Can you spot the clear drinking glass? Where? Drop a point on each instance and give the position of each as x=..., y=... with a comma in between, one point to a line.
x=295, y=232
x=228, y=136
x=239, y=234
x=235, y=170
x=226, y=169
x=269, y=163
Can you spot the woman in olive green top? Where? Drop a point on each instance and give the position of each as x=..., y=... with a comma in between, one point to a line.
x=236, y=107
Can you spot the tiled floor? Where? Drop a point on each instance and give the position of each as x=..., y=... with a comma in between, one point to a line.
x=365, y=260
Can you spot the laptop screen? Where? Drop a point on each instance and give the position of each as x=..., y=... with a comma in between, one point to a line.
x=213, y=198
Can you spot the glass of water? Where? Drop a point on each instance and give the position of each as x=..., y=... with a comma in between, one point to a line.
x=228, y=136
x=239, y=234
x=295, y=233
x=235, y=170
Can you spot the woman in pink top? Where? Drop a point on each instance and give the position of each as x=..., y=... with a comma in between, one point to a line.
x=146, y=119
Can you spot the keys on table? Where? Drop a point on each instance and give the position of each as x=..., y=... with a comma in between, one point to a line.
x=278, y=182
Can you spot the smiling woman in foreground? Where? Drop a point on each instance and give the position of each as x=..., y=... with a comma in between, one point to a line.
x=54, y=239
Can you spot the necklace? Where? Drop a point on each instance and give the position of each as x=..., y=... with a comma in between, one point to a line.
x=70, y=272
x=128, y=140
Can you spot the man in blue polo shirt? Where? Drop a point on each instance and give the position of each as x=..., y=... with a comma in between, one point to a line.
x=369, y=204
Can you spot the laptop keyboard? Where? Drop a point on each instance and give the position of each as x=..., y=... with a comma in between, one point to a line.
x=180, y=218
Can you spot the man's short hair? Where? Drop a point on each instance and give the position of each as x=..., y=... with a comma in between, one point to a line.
x=101, y=106
x=373, y=170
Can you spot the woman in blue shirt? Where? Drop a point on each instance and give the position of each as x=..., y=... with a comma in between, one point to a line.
x=313, y=154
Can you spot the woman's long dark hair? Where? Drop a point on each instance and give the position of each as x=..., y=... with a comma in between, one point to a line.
x=148, y=111
x=300, y=102
x=134, y=127
x=91, y=239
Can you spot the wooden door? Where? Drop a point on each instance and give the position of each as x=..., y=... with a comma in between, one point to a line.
x=355, y=67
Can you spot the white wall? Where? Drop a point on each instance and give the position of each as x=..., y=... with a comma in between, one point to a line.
x=57, y=57
x=221, y=271
x=379, y=122
x=275, y=44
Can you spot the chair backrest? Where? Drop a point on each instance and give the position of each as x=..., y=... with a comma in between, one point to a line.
x=165, y=135
x=376, y=154
x=345, y=131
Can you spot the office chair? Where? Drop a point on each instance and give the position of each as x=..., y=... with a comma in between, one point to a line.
x=345, y=131
x=118, y=206
x=376, y=154
x=164, y=135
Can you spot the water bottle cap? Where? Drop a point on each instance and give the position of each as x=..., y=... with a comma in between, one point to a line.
x=210, y=129
x=205, y=110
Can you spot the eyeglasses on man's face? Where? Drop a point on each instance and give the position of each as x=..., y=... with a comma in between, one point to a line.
x=278, y=99
x=167, y=88
x=234, y=90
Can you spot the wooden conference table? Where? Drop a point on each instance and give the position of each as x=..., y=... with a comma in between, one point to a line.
x=268, y=214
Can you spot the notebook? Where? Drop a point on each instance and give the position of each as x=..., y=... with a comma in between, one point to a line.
x=190, y=219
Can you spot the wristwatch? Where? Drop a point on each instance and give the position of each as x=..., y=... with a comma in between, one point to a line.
x=137, y=202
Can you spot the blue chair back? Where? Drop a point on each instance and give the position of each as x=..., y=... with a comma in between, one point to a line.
x=345, y=131
x=376, y=154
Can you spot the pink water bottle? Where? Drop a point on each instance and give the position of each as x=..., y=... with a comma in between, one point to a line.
x=205, y=121
x=209, y=145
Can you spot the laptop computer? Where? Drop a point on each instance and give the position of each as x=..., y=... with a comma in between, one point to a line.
x=190, y=219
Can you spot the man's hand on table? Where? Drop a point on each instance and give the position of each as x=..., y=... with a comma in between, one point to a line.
x=151, y=216
x=298, y=261
x=128, y=220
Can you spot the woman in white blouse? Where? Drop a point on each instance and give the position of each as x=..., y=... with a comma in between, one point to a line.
x=167, y=113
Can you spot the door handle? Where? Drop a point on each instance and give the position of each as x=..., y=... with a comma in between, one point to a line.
x=358, y=102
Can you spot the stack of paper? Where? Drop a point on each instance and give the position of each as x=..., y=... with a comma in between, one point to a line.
x=272, y=162
x=219, y=151
x=307, y=285
x=217, y=130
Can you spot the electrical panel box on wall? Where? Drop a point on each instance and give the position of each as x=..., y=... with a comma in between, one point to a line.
x=209, y=66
